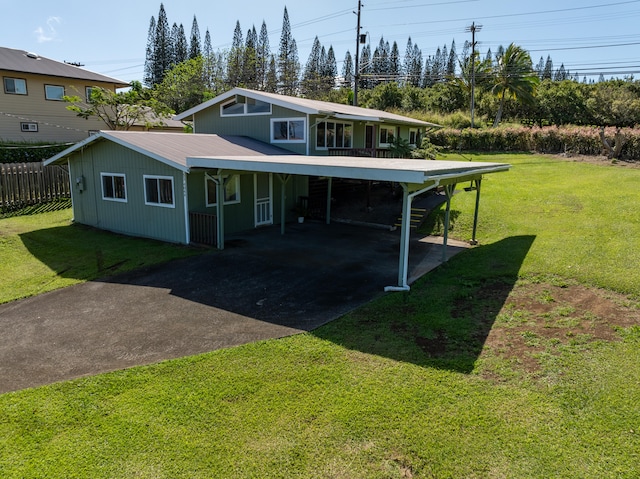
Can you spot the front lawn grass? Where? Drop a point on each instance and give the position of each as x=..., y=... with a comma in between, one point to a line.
x=409, y=386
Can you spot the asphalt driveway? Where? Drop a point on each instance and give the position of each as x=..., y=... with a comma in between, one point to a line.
x=263, y=285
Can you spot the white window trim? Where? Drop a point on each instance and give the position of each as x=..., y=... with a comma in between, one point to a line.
x=304, y=129
x=29, y=127
x=46, y=95
x=159, y=177
x=335, y=122
x=244, y=111
x=395, y=134
x=416, y=132
x=112, y=175
x=4, y=86
x=234, y=178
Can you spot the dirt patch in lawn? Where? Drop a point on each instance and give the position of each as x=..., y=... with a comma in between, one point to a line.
x=539, y=319
x=596, y=160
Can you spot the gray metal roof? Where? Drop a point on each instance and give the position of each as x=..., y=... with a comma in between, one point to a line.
x=312, y=107
x=174, y=148
x=358, y=168
x=20, y=61
x=186, y=151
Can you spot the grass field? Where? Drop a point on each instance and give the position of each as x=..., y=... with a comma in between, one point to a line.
x=518, y=358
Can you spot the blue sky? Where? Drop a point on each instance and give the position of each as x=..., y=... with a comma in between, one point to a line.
x=589, y=36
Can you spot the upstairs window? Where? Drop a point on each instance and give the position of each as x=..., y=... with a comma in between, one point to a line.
x=114, y=187
x=245, y=106
x=387, y=135
x=158, y=191
x=288, y=130
x=334, y=135
x=15, y=86
x=53, y=92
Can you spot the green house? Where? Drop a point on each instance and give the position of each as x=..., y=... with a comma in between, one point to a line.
x=196, y=188
x=306, y=127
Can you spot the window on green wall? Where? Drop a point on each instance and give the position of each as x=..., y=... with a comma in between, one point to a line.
x=288, y=130
x=158, y=191
x=114, y=187
x=334, y=135
x=250, y=106
x=231, y=191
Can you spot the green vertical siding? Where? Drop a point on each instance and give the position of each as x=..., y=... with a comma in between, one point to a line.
x=241, y=217
x=254, y=126
x=133, y=217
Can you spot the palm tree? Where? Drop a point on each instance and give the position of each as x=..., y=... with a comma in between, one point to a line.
x=514, y=77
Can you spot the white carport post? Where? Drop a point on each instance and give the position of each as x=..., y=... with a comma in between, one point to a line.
x=448, y=189
x=220, y=184
x=405, y=230
x=329, y=187
x=478, y=182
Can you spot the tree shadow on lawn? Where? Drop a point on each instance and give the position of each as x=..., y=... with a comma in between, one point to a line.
x=445, y=319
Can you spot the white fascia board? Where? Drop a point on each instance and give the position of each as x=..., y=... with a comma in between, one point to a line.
x=346, y=116
x=284, y=165
x=352, y=168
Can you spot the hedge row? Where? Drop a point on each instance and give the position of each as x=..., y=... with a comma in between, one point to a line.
x=548, y=139
x=11, y=153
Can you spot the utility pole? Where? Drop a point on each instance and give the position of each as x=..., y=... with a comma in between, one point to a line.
x=473, y=29
x=356, y=75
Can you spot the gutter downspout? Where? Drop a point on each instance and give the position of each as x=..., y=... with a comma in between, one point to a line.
x=187, y=232
x=403, y=266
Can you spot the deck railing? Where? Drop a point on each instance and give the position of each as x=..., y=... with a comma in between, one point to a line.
x=363, y=152
x=203, y=228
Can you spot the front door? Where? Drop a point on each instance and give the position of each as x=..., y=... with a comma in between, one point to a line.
x=263, y=186
x=369, y=137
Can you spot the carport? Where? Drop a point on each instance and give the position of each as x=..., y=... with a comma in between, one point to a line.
x=415, y=177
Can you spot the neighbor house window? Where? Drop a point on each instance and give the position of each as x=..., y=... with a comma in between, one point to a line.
x=29, y=127
x=249, y=106
x=334, y=135
x=387, y=135
x=114, y=187
x=88, y=91
x=231, y=191
x=16, y=86
x=53, y=92
x=158, y=191
x=288, y=130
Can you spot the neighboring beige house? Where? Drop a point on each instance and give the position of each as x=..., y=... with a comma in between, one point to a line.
x=31, y=104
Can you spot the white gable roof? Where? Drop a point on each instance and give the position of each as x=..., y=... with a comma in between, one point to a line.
x=311, y=107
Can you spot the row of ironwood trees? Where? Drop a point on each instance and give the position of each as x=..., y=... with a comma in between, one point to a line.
x=183, y=73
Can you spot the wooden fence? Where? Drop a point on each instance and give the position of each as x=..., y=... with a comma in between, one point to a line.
x=26, y=184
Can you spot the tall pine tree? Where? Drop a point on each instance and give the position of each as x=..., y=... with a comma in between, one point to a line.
x=249, y=58
x=235, y=57
x=262, y=56
x=288, y=63
x=347, y=71
x=149, y=78
x=195, y=49
x=162, y=47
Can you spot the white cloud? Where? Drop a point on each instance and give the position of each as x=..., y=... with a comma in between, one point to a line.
x=48, y=33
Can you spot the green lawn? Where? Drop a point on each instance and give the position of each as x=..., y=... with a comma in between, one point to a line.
x=418, y=385
x=42, y=252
